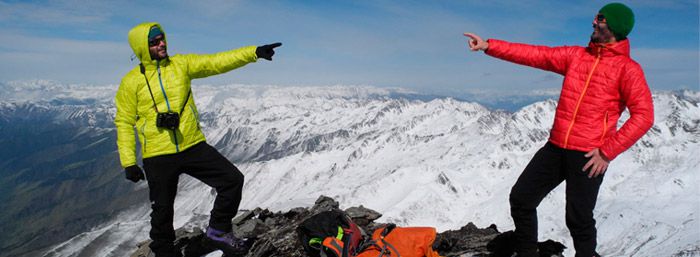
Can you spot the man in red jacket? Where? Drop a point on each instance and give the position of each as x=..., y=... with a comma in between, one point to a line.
x=599, y=82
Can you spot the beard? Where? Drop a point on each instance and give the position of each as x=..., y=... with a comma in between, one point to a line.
x=601, y=35
x=596, y=38
x=159, y=54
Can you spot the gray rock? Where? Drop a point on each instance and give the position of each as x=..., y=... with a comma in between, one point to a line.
x=274, y=234
x=246, y=215
x=362, y=216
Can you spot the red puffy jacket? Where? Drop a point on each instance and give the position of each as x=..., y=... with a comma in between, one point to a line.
x=599, y=82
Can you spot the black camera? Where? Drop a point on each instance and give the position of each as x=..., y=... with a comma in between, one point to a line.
x=169, y=120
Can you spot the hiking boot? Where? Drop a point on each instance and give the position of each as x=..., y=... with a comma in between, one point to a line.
x=227, y=242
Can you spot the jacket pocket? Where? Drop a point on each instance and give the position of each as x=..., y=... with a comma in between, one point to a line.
x=143, y=135
x=605, y=126
x=195, y=115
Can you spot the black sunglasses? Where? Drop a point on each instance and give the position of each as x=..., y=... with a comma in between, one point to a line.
x=155, y=41
x=600, y=18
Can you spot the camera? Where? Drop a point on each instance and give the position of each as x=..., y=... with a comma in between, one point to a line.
x=169, y=120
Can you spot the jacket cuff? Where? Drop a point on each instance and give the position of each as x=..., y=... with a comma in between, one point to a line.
x=494, y=45
x=128, y=164
x=607, y=153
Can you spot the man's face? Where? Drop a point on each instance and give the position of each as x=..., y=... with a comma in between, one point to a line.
x=157, y=48
x=601, y=32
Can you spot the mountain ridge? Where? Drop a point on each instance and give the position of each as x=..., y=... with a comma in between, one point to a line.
x=458, y=157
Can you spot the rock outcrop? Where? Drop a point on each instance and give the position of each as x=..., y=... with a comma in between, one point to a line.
x=275, y=235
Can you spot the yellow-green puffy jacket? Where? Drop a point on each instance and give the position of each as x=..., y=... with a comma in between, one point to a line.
x=170, y=82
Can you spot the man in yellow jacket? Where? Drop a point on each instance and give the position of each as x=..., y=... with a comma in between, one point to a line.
x=155, y=101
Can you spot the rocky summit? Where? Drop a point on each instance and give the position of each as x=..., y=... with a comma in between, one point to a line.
x=275, y=235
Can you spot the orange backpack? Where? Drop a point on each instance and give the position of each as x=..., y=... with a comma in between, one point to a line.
x=390, y=241
x=334, y=234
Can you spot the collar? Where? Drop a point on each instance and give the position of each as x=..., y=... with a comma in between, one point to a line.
x=621, y=47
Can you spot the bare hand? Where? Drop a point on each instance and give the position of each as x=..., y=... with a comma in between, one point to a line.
x=476, y=43
x=598, y=163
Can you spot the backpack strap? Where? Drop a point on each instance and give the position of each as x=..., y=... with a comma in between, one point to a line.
x=389, y=227
x=346, y=242
x=335, y=246
x=385, y=248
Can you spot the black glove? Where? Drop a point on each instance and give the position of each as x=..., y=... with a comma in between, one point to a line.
x=134, y=173
x=267, y=51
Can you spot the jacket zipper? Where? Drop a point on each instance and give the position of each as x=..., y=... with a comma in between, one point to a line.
x=605, y=126
x=580, y=98
x=162, y=89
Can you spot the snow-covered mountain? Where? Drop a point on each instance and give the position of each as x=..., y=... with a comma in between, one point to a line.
x=59, y=172
x=440, y=163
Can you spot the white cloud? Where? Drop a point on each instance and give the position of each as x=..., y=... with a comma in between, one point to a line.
x=669, y=68
x=69, y=60
x=54, y=12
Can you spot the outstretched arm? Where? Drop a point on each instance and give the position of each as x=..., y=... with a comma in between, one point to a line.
x=555, y=59
x=204, y=65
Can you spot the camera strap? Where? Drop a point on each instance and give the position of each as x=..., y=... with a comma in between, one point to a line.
x=143, y=71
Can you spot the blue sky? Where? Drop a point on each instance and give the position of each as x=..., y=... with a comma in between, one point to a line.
x=411, y=44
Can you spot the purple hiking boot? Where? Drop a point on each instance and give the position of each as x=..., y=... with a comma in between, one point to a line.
x=227, y=242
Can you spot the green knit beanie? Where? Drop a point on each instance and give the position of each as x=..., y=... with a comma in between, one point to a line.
x=620, y=19
x=154, y=32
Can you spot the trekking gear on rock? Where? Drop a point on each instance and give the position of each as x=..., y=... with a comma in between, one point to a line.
x=134, y=173
x=334, y=234
x=392, y=241
x=330, y=232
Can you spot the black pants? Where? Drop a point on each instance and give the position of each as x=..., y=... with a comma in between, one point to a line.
x=548, y=168
x=204, y=163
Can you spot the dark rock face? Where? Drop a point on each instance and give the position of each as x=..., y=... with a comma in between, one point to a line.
x=275, y=235
x=467, y=241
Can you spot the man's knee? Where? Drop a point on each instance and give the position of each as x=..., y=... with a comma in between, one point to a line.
x=231, y=180
x=235, y=176
x=518, y=200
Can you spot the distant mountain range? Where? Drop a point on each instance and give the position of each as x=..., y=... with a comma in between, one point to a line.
x=420, y=160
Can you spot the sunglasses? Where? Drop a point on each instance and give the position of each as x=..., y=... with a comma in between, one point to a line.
x=600, y=18
x=155, y=41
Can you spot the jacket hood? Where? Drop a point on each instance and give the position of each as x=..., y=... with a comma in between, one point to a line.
x=138, y=40
x=621, y=47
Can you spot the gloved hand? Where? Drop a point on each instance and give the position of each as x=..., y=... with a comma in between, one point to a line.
x=267, y=51
x=134, y=173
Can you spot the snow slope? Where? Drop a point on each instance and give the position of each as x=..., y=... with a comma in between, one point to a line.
x=440, y=163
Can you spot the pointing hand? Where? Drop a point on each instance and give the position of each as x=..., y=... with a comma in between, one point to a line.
x=476, y=43
x=267, y=51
